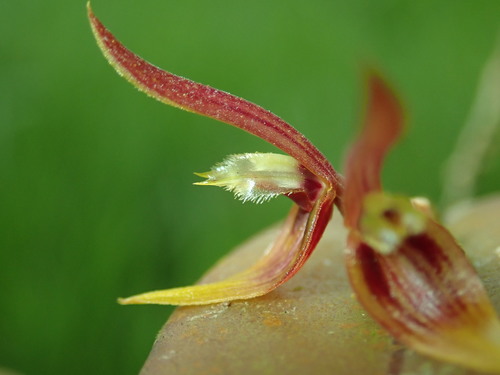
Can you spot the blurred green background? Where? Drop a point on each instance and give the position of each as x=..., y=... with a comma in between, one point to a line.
x=96, y=187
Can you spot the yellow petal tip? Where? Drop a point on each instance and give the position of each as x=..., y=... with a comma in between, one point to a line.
x=124, y=301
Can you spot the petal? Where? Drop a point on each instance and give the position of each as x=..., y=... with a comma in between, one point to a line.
x=383, y=126
x=205, y=100
x=297, y=239
x=429, y=297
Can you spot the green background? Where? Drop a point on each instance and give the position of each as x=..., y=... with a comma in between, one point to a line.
x=96, y=194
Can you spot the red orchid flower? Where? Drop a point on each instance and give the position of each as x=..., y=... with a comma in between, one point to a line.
x=405, y=268
x=305, y=176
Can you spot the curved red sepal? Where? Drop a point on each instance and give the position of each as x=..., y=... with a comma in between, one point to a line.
x=383, y=126
x=208, y=101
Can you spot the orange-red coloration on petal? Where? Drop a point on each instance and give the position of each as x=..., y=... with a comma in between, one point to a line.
x=305, y=223
x=382, y=128
x=406, y=269
x=298, y=238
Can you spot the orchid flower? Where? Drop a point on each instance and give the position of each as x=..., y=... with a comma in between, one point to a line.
x=405, y=268
x=304, y=175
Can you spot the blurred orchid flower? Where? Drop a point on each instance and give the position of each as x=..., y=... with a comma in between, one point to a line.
x=305, y=176
x=405, y=268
